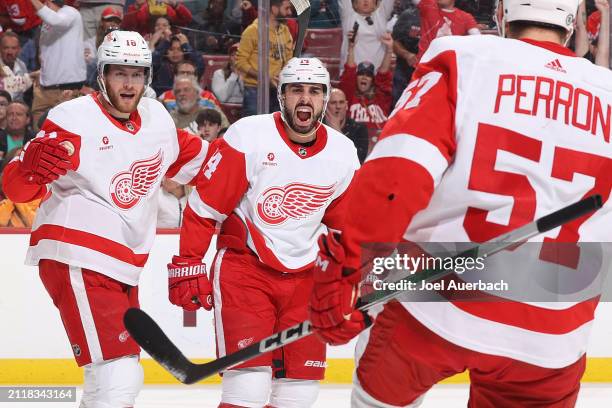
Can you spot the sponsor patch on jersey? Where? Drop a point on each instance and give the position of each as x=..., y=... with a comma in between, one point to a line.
x=270, y=160
x=128, y=187
x=296, y=201
x=105, y=144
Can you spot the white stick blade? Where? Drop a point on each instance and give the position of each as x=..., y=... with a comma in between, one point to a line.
x=300, y=5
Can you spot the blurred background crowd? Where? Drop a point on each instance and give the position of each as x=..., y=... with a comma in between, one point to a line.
x=205, y=57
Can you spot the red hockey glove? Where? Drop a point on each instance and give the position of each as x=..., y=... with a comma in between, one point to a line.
x=335, y=293
x=188, y=285
x=44, y=160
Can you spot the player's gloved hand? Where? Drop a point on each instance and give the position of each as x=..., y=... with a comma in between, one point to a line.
x=44, y=160
x=334, y=295
x=188, y=285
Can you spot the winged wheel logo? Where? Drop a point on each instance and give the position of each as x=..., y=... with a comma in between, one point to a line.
x=128, y=187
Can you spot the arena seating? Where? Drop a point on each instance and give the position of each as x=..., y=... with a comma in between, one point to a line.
x=323, y=42
x=232, y=111
x=211, y=64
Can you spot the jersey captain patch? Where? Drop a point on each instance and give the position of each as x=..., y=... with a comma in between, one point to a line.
x=296, y=200
x=128, y=187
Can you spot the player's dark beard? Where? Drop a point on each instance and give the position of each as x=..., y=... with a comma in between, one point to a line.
x=301, y=129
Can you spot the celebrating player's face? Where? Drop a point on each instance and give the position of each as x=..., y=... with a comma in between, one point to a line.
x=125, y=86
x=304, y=106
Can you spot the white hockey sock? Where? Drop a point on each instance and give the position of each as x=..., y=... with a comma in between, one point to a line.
x=290, y=393
x=113, y=383
x=246, y=387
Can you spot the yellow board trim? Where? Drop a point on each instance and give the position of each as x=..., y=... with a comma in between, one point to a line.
x=339, y=371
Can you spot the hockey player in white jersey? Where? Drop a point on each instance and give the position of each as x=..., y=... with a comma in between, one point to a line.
x=275, y=182
x=98, y=162
x=491, y=134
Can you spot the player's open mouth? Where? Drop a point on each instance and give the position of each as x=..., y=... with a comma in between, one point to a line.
x=128, y=96
x=303, y=114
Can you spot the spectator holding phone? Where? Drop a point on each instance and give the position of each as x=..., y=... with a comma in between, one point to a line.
x=371, y=17
x=368, y=92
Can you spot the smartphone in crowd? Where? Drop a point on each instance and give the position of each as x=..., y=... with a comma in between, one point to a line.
x=355, y=29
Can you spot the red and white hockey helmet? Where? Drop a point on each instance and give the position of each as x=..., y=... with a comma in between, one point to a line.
x=560, y=13
x=123, y=48
x=303, y=71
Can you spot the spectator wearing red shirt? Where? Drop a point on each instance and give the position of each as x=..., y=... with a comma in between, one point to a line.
x=368, y=93
x=19, y=16
x=139, y=17
x=440, y=18
x=597, y=32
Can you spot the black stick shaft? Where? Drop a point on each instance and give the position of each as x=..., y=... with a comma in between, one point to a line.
x=153, y=340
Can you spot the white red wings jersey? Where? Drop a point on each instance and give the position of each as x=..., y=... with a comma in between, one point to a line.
x=102, y=215
x=286, y=194
x=492, y=134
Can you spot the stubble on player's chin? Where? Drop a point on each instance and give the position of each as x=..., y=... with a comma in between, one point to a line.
x=115, y=99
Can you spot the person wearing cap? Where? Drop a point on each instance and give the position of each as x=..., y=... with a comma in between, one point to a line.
x=92, y=152
x=61, y=46
x=227, y=83
x=110, y=19
x=368, y=92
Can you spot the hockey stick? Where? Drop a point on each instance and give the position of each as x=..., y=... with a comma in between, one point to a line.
x=302, y=8
x=154, y=341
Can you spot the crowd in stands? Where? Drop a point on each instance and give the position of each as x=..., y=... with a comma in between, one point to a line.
x=205, y=61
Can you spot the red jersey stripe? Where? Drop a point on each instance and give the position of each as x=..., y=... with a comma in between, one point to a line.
x=88, y=240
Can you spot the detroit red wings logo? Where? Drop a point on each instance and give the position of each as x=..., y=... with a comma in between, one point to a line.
x=128, y=187
x=295, y=201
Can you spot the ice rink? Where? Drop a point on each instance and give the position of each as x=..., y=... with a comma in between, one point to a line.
x=441, y=396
